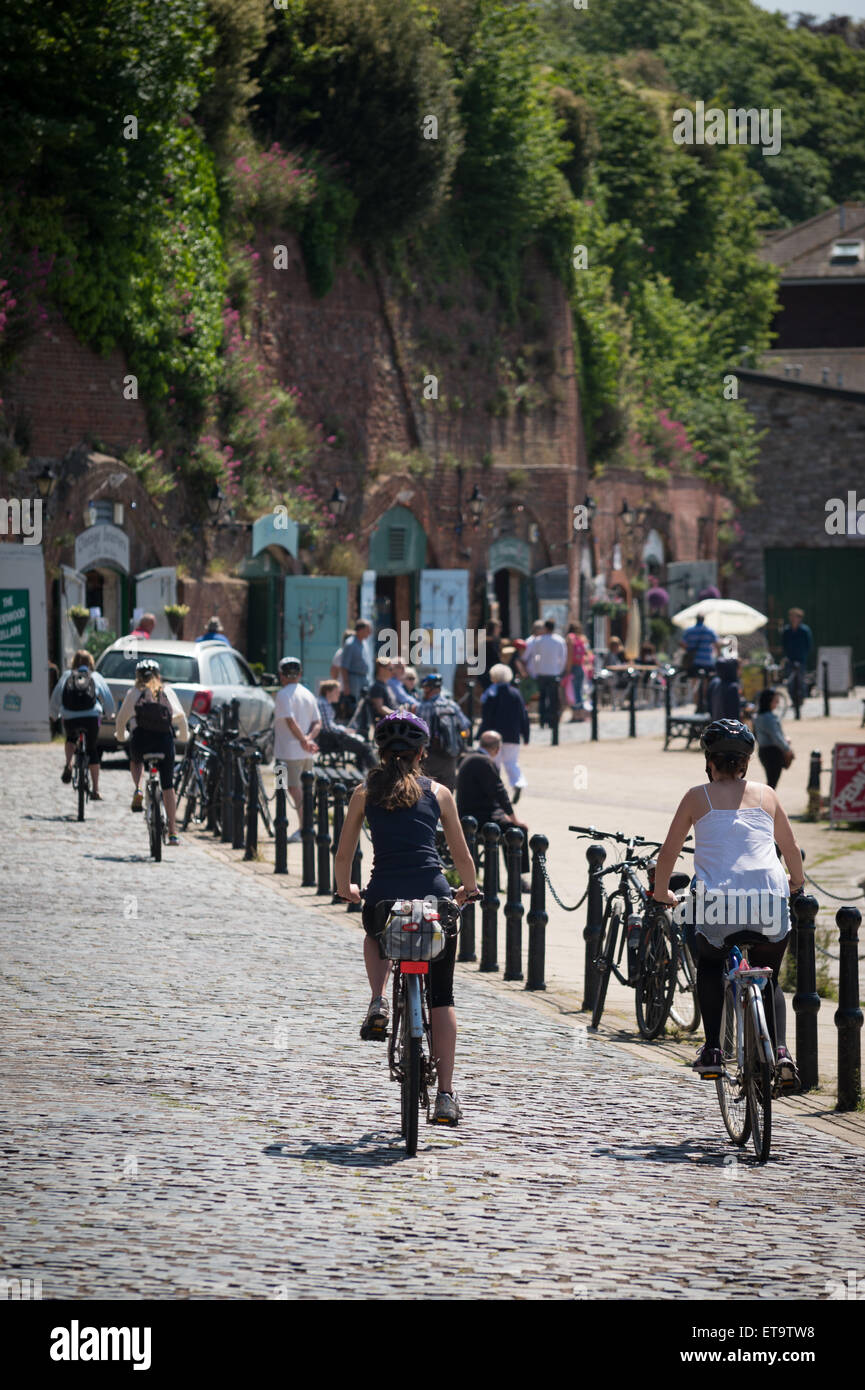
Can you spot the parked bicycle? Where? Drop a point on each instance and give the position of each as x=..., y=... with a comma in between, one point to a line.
x=154, y=809
x=636, y=933
x=413, y=933
x=243, y=747
x=684, y=1006
x=81, y=773
x=751, y=1077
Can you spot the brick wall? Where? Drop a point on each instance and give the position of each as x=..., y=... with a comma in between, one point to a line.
x=223, y=598
x=62, y=392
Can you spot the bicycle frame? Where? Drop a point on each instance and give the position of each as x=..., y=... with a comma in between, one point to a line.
x=754, y=980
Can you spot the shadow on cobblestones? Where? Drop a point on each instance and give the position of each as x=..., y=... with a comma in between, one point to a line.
x=361, y=1154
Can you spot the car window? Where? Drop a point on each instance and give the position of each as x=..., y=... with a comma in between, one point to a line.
x=221, y=672
x=244, y=675
x=120, y=665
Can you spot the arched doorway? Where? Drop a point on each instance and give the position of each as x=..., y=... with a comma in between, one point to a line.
x=509, y=563
x=397, y=555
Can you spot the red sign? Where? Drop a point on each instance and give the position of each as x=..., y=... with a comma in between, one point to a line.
x=847, y=798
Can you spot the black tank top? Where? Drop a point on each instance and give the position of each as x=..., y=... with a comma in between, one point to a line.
x=405, y=858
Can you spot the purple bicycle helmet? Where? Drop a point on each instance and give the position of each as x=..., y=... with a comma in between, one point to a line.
x=401, y=731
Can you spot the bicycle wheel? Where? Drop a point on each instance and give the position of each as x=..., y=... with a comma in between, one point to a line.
x=411, y=1072
x=263, y=807
x=189, y=808
x=732, y=1096
x=156, y=825
x=82, y=784
x=685, y=1008
x=657, y=978
x=605, y=957
x=758, y=1081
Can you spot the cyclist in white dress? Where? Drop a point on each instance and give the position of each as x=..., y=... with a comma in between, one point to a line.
x=739, y=894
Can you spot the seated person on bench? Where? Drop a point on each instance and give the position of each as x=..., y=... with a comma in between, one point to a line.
x=481, y=793
x=336, y=738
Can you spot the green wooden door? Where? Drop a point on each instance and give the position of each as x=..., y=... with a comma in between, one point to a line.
x=829, y=584
x=315, y=615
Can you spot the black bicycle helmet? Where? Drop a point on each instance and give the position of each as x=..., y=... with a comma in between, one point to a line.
x=727, y=736
x=401, y=731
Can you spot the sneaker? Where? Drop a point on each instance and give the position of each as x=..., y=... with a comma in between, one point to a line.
x=447, y=1110
x=173, y=840
x=788, y=1074
x=374, y=1026
x=709, y=1063
x=294, y=839
x=66, y=775
x=138, y=802
x=95, y=796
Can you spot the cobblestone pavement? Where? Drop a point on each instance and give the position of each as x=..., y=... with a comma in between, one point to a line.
x=190, y=1111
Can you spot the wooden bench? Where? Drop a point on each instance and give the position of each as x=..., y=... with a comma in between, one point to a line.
x=688, y=726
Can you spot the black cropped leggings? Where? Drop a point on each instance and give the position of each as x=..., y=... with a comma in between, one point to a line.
x=710, y=983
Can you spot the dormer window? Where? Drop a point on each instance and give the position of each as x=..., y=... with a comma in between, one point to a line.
x=847, y=252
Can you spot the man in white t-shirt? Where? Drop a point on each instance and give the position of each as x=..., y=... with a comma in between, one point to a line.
x=546, y=656
x=296, y=721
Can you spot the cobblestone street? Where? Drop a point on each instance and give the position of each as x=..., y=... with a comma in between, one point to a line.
x=190, y=1113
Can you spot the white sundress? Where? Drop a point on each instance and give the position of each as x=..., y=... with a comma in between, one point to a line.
x=738, y=874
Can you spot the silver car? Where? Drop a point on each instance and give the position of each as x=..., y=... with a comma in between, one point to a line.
x=203, y=675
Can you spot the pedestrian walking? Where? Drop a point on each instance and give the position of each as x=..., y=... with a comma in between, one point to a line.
x=503, y=711
x=402, y=807
x=449, y=730
x=572, y=685
x=797, y=641
x=545, y=658
x=773, y=749
x=296, y=722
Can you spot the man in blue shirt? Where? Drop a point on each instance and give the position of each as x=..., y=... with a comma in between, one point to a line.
x=700, y=643
x=797, y=641
x=354, y=671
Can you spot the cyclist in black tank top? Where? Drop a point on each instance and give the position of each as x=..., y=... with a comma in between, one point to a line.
x=402, y=808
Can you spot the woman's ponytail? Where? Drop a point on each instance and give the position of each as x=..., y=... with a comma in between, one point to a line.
x=394, y=786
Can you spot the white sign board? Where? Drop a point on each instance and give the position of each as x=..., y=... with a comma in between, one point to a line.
x=102, y=544
x=840, y=663
x=23, y=646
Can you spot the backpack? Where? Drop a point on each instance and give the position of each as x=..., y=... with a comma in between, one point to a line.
x=79, y=692
x=445, y=731
x=153, y=715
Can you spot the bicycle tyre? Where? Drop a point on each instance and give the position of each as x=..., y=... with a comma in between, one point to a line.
x=758, y=1082
x=82, y=784
x=411, y=1093
x=156, y=828
x=685, y=1008
x=263, y=807
x=604, y=959
x=188, y=810
x=732, y=1095
x=657, y=978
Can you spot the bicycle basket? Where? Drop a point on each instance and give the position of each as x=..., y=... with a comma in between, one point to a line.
x=413, y=931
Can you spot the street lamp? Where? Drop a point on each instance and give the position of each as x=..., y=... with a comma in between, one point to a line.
x=338, y=502
x=45, y=483
x=476, y=506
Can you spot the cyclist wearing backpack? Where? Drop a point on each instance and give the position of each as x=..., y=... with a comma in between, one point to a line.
x=79, y=698
x=449, y=730
x=403, y=808
x=150, y=711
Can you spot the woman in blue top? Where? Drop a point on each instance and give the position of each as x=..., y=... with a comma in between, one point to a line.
x=403, y=808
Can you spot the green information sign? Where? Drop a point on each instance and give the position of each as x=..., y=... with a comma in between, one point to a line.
x=15, y=659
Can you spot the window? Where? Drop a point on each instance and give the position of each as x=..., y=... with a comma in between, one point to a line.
x=101, y=511
x=396, y=543
x=120, y=665
x=221, y=672
x=847, y=252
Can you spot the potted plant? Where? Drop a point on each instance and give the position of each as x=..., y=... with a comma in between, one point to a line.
x=80, y=617
x=175, y=613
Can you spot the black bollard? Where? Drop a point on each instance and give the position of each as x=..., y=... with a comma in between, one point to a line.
x=826, y=688
x=323, y=837
x=491, y=835
x=594, y=709
x=467, y=924
x=470, y=712
x=513, y=904
x=338, y=818
x=632, y=705
x=595, y=854
x=280, y=822
x=814, y=773
x=251, y=805
x=806, y=1000
x=307, y=829
x=848, y=1015
x=227, y=783
x=356, y=871
x=237, y=807
x=555, y=707
x=537, y=918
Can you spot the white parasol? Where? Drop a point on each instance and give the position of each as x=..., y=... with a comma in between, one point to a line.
x=726, y=616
